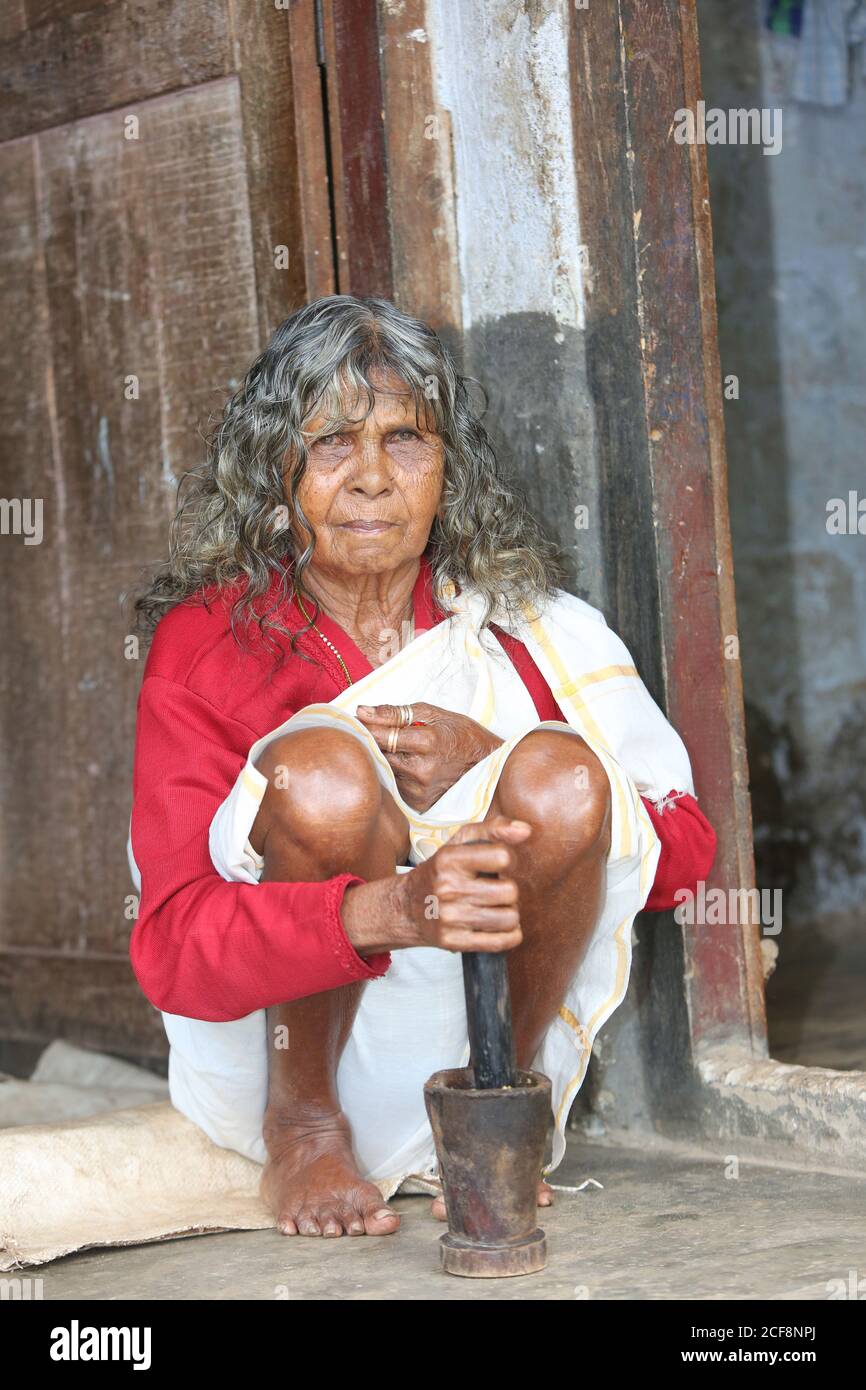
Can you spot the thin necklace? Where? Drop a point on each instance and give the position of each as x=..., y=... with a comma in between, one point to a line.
x=329, y=644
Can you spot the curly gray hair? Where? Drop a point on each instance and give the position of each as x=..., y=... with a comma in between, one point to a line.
x=320, y=361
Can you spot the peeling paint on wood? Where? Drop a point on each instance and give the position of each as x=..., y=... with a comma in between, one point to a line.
x=502, y=70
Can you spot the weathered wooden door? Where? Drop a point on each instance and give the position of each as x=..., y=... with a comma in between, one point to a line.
x=152, y=239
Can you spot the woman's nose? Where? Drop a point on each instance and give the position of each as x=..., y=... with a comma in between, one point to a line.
x=372, y=472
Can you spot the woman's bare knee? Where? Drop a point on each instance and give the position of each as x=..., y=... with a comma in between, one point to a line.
x=316, y=779
x=322, y=790
x=555, y=780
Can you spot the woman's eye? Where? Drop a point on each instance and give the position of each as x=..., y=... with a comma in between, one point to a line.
x=401, y=435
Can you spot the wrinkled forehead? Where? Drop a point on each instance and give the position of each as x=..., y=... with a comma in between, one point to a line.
x=350, y=397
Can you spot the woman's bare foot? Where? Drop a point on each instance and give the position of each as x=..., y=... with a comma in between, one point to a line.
x=545, y=1199
x=311, y=1181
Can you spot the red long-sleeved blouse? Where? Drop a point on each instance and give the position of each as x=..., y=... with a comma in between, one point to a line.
x=210, y=949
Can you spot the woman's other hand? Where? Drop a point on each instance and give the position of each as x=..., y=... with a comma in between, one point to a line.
x=431, y=754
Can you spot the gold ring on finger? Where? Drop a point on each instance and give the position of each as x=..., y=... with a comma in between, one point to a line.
x=393, y=735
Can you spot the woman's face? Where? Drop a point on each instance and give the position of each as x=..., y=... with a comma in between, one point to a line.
x=372, y=491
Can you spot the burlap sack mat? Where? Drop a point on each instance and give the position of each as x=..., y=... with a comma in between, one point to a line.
x=92, y=1153
x=116, y=1164
x=118, y=1179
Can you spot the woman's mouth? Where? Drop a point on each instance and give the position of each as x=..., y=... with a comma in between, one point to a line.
x=367, y=528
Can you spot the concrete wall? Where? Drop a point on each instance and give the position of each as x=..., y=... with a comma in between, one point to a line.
x=790, y=247
x=501, y=70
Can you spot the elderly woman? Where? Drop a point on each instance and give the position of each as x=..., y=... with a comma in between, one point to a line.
x=374, y=733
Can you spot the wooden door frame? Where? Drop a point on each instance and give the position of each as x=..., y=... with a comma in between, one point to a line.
x=649, y=209
x=646, y=220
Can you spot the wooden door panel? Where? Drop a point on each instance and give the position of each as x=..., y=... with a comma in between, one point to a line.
x=150, y=273
x=72, y=60
x=142, y=275
x=130, y=268
x=88, y=999
x=32, y=698
x=66, y=59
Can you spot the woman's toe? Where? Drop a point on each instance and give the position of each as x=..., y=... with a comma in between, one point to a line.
x=379, y=1220
x=330, y=1224
x=307, y=1224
